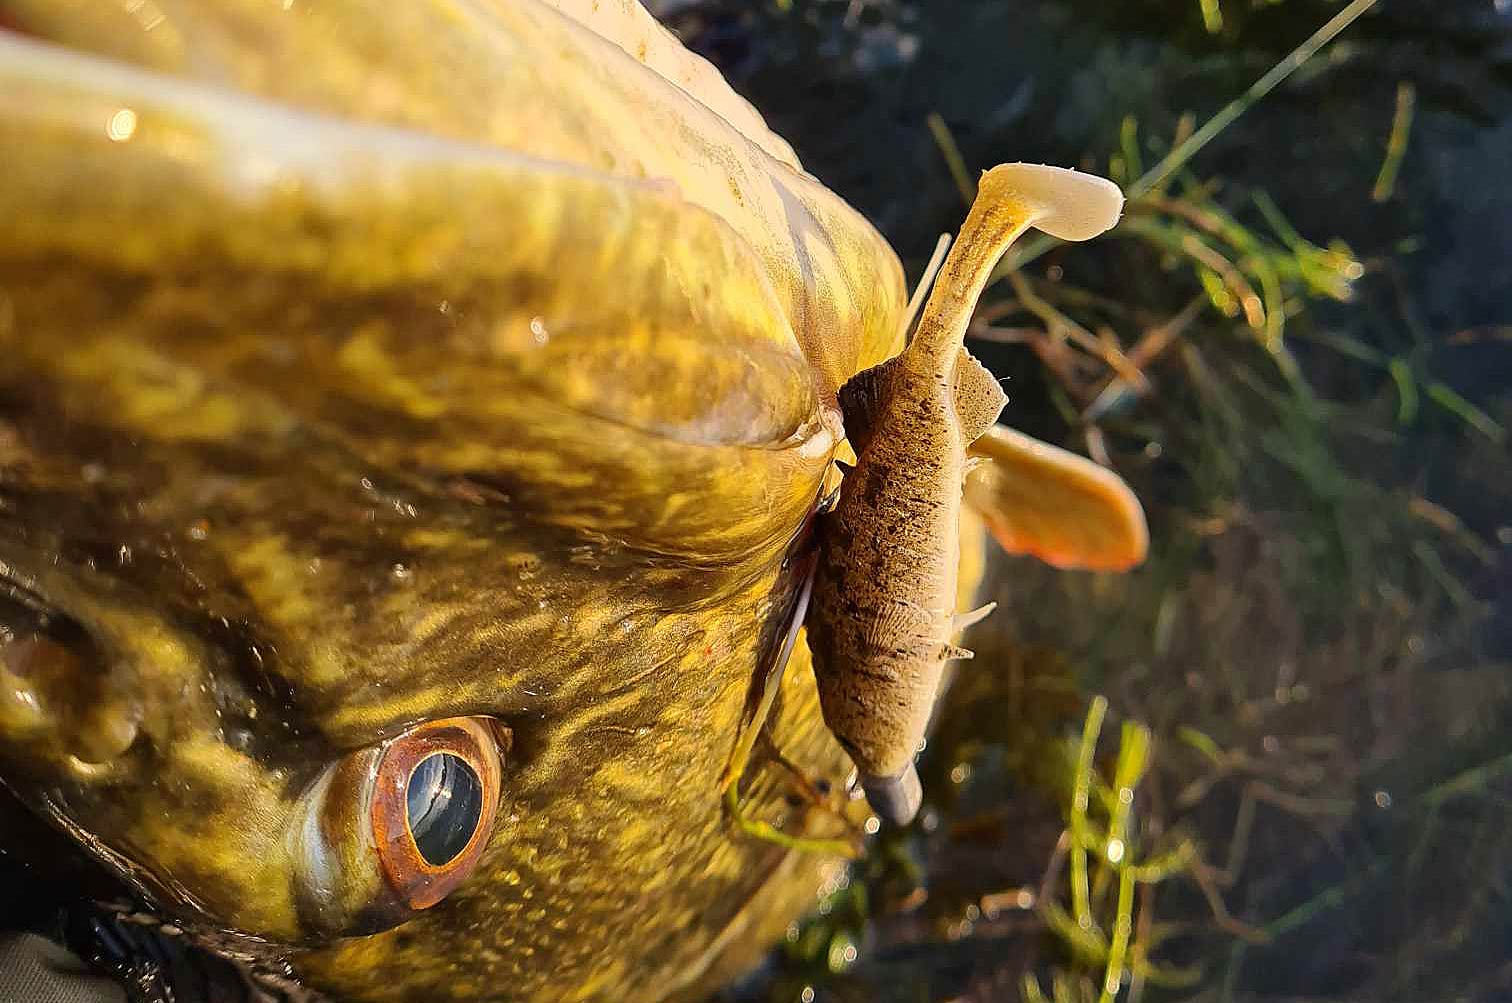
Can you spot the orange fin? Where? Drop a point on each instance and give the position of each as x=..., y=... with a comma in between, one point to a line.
x=979, y=398
x=1062, y=508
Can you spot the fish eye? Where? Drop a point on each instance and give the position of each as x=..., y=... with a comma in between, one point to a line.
x=435, y=795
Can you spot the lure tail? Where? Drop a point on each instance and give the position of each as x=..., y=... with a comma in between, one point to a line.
x=1011, y=198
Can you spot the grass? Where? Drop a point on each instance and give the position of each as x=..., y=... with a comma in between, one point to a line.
x=1312, y=730
x=1099, y=929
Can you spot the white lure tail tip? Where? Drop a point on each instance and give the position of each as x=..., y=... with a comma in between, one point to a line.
x=1071, y=205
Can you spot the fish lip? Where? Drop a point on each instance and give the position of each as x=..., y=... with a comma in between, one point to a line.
x=157, y=893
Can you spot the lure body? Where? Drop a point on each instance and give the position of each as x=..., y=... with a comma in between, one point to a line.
x=883, y=615
x=885, y=588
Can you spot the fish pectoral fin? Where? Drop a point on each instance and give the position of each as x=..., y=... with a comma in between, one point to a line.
x=1062, y=508
x=964, y=620
x=979, y=398
x=955, y=653
x=863, y=397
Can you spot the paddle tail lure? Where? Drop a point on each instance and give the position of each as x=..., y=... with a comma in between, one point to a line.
x=883, y=618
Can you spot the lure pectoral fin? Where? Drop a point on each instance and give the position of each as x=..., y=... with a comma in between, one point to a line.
x=964, y=620
x=883, y=621
x=978, y=397
x=1048, y=503
x=864, y=397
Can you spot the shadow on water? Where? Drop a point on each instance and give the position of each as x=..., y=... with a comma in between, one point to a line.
x=1299, y=352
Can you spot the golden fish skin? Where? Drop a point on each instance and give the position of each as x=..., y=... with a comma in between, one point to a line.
x=364, y=365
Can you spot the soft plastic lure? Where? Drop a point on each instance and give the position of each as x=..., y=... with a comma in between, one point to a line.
x=883, y=616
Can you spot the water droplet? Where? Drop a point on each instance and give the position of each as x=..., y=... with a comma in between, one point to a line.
x=1383, y=799
x=400, y=572
x=538, y=331
x=1115, y=850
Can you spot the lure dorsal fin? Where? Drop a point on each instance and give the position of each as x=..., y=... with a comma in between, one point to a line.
x=863, y=397
x=979, y=398
x=1040, y=500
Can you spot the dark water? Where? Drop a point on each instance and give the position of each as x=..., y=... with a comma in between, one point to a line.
x=1319, y=644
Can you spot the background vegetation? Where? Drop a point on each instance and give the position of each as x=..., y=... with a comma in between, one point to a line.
x=1298, y=349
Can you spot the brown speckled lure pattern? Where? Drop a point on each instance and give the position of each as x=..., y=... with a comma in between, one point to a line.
x=883, y=617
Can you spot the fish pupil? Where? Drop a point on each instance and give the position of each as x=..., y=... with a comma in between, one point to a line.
x=444, y=805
